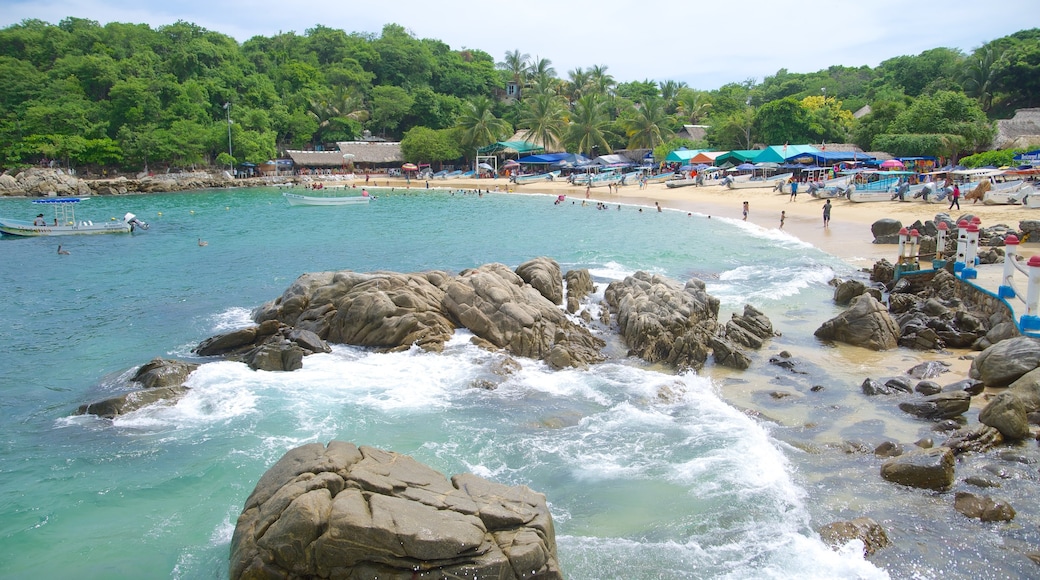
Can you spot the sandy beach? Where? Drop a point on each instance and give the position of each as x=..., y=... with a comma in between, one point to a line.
x=848, y=236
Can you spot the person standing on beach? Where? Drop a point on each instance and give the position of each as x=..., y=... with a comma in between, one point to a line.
x=783, y=216
x=827, y=213
x=746, y=210
x=955, y=197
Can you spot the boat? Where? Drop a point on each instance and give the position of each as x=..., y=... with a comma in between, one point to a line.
x=298, y=199
x=758, y=182
x=66, y=224
x=522, y=179
x=660, y=178
x=682, y=182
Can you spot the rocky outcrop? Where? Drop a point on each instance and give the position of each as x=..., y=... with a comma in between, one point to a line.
x=392, y=311
x=1005, y=362
x=921, y=468
x=35, y=182
x=496, y=305
x=868, y=531
x=543, y=274
x=38, y=182
x=663, y=321
x=347, y=512
x=579, y=287
x=269, y=346
x=159, y=380
x=865, y=323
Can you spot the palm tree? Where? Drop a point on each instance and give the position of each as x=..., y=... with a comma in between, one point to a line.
x=693, y=105
x=588, y=125
x=579, y=82
x=336, y=108
x=979, y=75
x=645, y=126
x=541, y=71
x=479, y=125
x=602, y=83
x=545, y=120
x=670, y=90
x=516, y=64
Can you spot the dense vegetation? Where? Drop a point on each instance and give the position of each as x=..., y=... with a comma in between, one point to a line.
x=127, y=96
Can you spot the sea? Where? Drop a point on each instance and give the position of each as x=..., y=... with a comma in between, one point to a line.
x=728, y=478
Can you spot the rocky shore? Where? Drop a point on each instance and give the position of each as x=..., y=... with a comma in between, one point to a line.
x=36, y=182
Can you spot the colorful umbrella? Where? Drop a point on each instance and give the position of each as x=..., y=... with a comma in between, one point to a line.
x=892, y=164
x=409, y=167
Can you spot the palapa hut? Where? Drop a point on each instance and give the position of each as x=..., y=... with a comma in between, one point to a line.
x=367, y=155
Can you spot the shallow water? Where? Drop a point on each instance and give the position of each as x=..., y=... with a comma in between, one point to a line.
x=694, y=488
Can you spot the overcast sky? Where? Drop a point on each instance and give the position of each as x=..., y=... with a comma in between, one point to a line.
x=705, y=44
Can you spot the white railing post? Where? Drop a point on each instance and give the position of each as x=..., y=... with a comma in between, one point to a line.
x=940, y=246
x=1006, y=289
x=914, y=249
x=962, y=245
x=1030, y=320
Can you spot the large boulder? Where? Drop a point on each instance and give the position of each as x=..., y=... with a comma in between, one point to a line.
x=865, y=323
x=160, y=380
x=498, y=306
x=886, y=231
x=544, y=275
x=939, y=406
x=380, y=309
x=663, y=321
x=579, y=286
x=921, y=468
x=984, y=508
x=1006, y=412
x=348, y=512
x=1005, y=362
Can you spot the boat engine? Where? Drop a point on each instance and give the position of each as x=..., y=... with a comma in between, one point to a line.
x=134, y=222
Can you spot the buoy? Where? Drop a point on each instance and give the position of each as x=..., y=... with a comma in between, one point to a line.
x=192, y=212
x=226, y=208
x=160, y=214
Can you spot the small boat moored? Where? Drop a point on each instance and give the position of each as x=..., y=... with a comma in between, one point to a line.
x=65, y=222
x=299, y=199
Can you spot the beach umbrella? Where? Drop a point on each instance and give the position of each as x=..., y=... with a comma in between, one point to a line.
x=511, y=163
x=409, y=167
x=892, y=164
x=745, y=167
x=485, y=166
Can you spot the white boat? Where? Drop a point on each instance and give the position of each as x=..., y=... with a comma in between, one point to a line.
x=66, y=224
x=1005, y=193
x=758, y=182
x=298, y=199
x=522, y=179
x=684, y=182
x=660, y=178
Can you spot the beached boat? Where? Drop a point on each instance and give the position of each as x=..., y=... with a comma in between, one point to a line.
x=1006, y=192
x=683, y=182
x=759, y=182
x=65, y=222
x=522, y=179
x=660, y=178
x=299, y=199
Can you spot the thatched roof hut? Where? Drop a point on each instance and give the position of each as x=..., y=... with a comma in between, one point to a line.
x=372, y=152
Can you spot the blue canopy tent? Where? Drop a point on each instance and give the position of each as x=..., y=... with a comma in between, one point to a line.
x=550, y=158
x=828, y=158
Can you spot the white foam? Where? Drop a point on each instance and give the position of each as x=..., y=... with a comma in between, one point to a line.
x=766, y=282
x=232, y=319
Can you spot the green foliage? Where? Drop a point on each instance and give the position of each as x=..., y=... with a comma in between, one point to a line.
x=783, y=121
x=933, y=145
x=422, y=144
x=997, y=158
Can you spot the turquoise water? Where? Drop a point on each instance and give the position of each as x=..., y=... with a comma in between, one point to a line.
x=638, y=488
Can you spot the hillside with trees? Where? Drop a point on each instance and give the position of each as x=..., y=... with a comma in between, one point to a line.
x=131, y=97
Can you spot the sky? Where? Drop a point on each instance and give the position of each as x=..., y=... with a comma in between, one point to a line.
x=704, y=44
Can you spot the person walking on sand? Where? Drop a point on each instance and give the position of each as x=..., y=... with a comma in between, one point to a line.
x=955, y=197
x=783, y=216
x=827, y=213
x=746, y=210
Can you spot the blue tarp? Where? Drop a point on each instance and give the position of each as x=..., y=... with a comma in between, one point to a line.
x=549, y=158
x=832, y=157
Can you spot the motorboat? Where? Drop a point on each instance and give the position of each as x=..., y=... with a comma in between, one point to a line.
x=759, y=181
x=522, y=179
x=65, y=222
x=300, y=199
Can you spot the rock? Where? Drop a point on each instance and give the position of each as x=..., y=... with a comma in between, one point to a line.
x=1006, y=413
x=882, y=272
x=873, y=536
x=871, y=387
x=927, y=388
x=970, y=386
x=888, y=449
x=978, y=439
x=662, y=321
x=726, y=354
x=940, y=406
x=847, y=290
x=579, y=286
x=226, y=343
x=921, y=468
x=162, y=379
x=499, y=307
x=784, y=360
x=1005, y=362
x=985, y=508
x=308, y=341
x=1027, y=388
x=277, y=355
x=899, y=384
x=928, y=370
x=750, y=329
x=1000, y=331
x=886, y=231
x=348, y=512
x=544, y=275
x=866, y=323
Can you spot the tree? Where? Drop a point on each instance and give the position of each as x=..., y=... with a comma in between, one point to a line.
x=979, y=75
x=589, y=126
x=478, y=124
x=517, y=64
x=543, y=120
x=732, y=131
x=946, y=112
x=783, y=121
x=389, y=105
x=693, y=105
x=828, y=121
x=645, y=127
x=424, y=144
